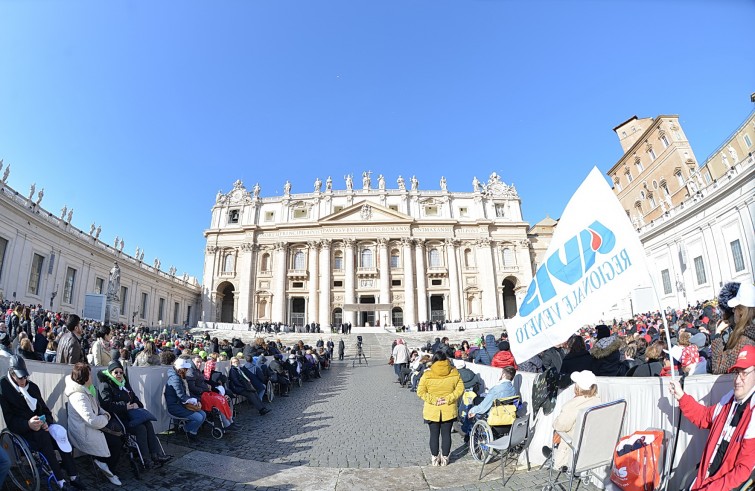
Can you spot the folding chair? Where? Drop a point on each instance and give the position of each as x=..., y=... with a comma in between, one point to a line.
x=597, y=432
x=510, y=445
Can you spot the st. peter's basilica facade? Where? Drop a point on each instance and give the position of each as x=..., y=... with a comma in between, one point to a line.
x=367, y=255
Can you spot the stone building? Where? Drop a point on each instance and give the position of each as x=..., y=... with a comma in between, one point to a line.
x=45, y=260
x=367, y=255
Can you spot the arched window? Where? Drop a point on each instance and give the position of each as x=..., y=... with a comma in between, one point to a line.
x=468, y=258
x=299, y=260
x=366, y=258
x=228, y=263
x=395, y=261
x=435, y=258
x=265, y=263
x=508, y=257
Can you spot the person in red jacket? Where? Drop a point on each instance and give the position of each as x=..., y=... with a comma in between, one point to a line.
x=504, y=358
x=729, y=455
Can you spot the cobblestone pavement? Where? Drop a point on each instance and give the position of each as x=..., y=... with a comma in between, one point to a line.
x=352, y=429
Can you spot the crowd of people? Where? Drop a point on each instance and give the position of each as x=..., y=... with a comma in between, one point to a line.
x=102, y=405
x=715, y=337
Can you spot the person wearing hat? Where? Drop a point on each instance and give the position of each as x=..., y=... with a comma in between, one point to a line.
x=606, y=357
x=27, y=415
x=179, y=401
x=585, y=395
x=726, y=346
x=729, y=455
x=504, y=358
x=5, y=350
x=119, y=398
x=210, y=397
x=87, y=422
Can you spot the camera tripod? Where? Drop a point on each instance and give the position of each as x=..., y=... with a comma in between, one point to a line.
x=359, y=355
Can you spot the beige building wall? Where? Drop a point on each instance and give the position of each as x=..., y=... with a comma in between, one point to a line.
x=658, y=169
x=737, y=147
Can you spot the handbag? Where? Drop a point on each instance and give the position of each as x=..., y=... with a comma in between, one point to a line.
x=139, y=416
x=390, y=360
x=113, y=427
x=503, y=412
x=193, y=407
x=636, y=461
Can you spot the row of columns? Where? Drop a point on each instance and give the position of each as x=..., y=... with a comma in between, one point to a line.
x=319, y=307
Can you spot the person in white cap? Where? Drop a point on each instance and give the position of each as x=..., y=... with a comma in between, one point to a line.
x=27, y=415
x=179, y=401
x=726, y=349
x=585, y=395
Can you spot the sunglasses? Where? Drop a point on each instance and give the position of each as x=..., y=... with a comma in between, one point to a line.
x=118, y=372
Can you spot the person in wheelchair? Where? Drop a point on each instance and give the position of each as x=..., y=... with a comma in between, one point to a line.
x=279, y=374
x=27, y=415
x=240, y=383
x=209, y=398
x=118, y=398
x=502, y=390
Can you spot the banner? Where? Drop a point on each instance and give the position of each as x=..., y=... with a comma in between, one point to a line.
x=594, y=259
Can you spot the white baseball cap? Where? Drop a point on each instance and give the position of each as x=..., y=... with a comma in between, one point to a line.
x=181, y=363
x=584, y=379
x=745, y=296
x=61, y=437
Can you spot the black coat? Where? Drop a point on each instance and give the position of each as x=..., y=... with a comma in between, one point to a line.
x=576, y=362
x=114, y=399
x=552, y=357
x=15, y=410
x=606, y=357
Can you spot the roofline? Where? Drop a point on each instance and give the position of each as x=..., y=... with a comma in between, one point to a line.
x=631, y=149
x=625, y=122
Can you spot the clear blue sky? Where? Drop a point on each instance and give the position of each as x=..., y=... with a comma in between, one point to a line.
x=136, y=113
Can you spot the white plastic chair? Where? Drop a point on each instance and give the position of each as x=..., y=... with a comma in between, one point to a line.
x=597, y=432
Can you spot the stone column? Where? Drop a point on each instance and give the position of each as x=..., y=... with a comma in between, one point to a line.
x=313, y=301
x=280, y=272
x=325, y=282
x=246, y=288
x=251, y=294
x=487, y=279
x=419, y=251
x=385, y=277
x=410, y=317
x=749, y=236
x=208, y=304
x=453, y=280
x=348, y=284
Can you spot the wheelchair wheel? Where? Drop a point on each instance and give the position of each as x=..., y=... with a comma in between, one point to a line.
x=217, y=433
x=269, y=392
x=480, y=435
x=23, y=469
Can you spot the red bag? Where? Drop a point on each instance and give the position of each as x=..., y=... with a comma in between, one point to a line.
x=636, y=461
x=213, y=399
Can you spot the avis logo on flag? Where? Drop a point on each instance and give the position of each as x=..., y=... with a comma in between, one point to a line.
x=594, y=259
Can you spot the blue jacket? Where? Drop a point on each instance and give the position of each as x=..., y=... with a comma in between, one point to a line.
x=176, y=395
x=503, y=389
x=485, y=355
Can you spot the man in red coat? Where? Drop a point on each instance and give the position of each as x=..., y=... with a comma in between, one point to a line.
x=729, y=455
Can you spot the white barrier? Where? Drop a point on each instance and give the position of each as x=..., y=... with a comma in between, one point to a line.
x=648, y=406
x=494, y=324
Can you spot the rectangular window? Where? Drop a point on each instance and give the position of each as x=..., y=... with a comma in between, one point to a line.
x=175, y=313
x=431, y=211
x=337, y=284
x=143, y=307
x=664, y=140
x=124, y=299
x=736, y=253
x=393, y=207
x=3, y=247
x=500, y=210
x=160, y=309
x=463, y=211
x=639, y=166
x=629, y=176
x=436, y=282
x=748, y=141
x=301, y=213
x=233, y=216
x=69, y=284
x=336, y=209
x=395, y=282
x=394, y=261
x=651, y=152
x=338, y=263
x=666, y=277
x=35, y=275
x=269, y=216
x=297, y=284
x=700, y=270
x=99, y=285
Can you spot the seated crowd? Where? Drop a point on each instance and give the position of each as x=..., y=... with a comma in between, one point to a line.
x=102, y=407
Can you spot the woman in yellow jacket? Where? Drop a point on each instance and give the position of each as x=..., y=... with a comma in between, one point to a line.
x=440, y=387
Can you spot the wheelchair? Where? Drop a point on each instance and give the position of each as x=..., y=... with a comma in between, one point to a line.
x=213, y=420
x=28, y=467
x=132, y=450
x=483, y=433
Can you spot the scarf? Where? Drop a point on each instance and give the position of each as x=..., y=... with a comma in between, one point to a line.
x=24, y=391
x=92, y=390
x=109, y=375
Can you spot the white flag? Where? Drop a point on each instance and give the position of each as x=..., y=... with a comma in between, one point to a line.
x=594, y=259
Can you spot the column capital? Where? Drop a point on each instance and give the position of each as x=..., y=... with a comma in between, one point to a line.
x=452, y=242
x=419, y=243
x=382, y=241
x=248, y=246
x=483, y=242
x=325, y=243
x=313, y=244
x=349, y=243
x=279, y=246
x=406, y=241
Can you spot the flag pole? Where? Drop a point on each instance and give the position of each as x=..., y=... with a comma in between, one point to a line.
x=668, y=464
